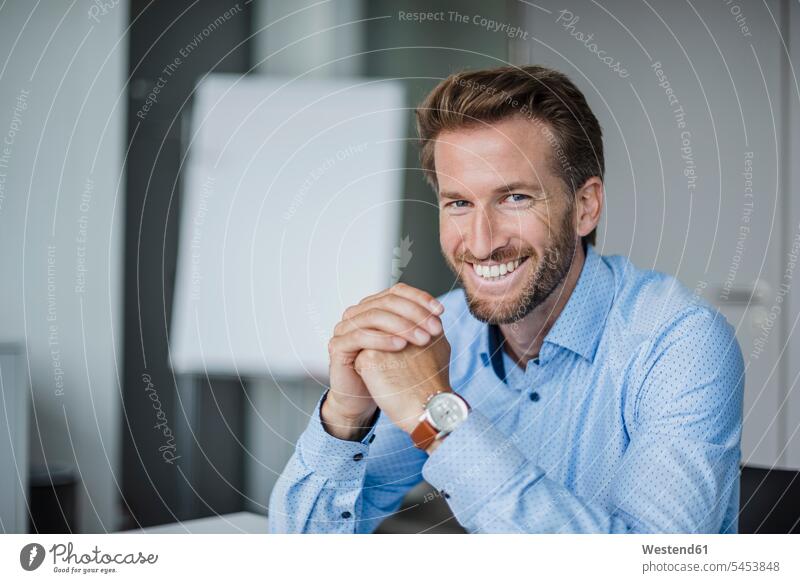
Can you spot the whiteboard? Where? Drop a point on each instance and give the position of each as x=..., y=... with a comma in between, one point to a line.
x=290, y=212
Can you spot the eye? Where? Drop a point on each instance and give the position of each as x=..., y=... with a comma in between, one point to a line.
x=456, y=204
x=521, y=197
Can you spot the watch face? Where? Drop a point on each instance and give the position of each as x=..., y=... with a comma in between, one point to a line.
x=446, y=411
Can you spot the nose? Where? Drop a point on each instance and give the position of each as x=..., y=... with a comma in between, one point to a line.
x=484, y=235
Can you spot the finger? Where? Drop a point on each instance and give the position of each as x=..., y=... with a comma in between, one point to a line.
x=346, y=346
x=387, y=322
x=414, y=294
x=404, y=307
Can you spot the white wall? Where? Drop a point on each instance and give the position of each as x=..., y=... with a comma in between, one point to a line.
x=61, y=184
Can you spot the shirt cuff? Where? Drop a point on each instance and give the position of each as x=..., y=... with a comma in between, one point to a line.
x=330, y=456
x=472, y=465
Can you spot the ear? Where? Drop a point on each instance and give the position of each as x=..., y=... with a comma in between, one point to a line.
x=589, y=204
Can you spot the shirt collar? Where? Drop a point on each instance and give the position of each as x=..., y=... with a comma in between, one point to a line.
x=579, y=326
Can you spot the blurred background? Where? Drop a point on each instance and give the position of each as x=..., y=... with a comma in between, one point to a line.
x=105, y=134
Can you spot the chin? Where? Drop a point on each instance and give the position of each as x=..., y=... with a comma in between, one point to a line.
x=505, y=308
x=508, y=307
x=493, y=312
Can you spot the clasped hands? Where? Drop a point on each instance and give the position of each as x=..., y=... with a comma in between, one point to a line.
x=389, y=352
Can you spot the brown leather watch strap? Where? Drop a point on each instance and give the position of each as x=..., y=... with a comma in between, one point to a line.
x=424, y=434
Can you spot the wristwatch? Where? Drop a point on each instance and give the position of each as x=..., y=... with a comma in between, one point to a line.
x=444, y=411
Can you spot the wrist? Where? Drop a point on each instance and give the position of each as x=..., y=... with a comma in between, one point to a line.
x=412, y=416
x=434, y=444
x=344, y=424
x=416, y=409
x=442, y=413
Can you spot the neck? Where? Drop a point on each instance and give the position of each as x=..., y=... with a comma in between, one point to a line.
x=524, y=338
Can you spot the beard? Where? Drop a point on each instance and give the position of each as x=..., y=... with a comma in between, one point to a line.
x=550, y=270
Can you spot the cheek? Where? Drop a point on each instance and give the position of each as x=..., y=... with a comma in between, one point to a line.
x=531, y=236
x=528, y=229
x=450, y=234
x=539, y=227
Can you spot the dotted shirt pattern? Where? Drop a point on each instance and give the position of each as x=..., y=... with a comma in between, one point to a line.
x=629, y=421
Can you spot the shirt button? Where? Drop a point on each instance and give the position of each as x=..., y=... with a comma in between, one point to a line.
x=534, y=396
x=358, y=457
x=346, y=514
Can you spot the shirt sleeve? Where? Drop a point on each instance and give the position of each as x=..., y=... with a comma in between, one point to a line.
x=332, y=485
x=678, y=474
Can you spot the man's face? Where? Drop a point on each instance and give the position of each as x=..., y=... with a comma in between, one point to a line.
x=500, y=203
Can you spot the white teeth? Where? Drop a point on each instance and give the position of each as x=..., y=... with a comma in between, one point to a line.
x=496, y=271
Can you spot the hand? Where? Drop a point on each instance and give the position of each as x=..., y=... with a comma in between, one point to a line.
x=387, y=321
x=401, y=382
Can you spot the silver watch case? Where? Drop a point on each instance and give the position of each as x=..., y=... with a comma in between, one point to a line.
x=445, y=411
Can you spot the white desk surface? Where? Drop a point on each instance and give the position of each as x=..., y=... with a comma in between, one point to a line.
x=236, y=523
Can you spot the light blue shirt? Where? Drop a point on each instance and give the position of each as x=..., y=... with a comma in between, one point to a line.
x=629, y=421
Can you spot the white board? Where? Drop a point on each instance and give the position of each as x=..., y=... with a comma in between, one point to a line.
x=290, y=213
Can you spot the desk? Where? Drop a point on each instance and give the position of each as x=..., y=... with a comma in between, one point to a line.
x=236, y=523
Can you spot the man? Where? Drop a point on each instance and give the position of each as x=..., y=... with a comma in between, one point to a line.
x=558, y=390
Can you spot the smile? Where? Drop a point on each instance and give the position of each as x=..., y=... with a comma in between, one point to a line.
x=496, y=272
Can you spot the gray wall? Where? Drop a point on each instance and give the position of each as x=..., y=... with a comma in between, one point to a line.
x=791, y=91
x=60, y=208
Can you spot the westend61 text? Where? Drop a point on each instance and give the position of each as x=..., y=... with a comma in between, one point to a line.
x=675, y=550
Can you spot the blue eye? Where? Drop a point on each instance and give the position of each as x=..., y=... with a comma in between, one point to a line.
x=455, y=202
x=522, y=199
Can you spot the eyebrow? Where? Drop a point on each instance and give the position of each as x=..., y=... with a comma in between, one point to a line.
x=506, y=188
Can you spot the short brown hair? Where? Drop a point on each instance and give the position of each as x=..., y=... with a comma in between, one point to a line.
x=544, y=95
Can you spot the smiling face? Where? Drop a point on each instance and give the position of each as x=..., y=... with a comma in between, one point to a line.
x=506, y=222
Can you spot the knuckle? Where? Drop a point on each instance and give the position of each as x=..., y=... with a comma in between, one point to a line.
x=363, y=336
x=373, y=314
x=366, y=299
x=368, y=355
x=424, y=296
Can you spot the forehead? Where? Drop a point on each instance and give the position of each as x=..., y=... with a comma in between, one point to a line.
x=486, y=155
